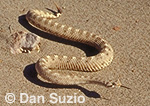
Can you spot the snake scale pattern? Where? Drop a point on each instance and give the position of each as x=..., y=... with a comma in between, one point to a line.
x=47, y=65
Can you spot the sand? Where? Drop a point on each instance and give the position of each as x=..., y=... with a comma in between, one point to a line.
x=125, y=24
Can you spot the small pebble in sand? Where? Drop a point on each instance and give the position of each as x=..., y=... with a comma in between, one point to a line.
x=0, y=61
x=116, y=28
x=24, y=42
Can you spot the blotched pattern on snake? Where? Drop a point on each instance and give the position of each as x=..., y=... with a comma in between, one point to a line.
x=47, y=65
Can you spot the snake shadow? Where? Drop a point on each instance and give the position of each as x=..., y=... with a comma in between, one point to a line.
x=31, y=75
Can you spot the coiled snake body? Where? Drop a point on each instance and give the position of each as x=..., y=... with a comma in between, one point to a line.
x=45, y=66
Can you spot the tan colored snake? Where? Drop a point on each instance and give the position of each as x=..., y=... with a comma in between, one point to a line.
x=47, y=65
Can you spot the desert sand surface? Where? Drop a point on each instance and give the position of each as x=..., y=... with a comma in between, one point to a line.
x=125, y=24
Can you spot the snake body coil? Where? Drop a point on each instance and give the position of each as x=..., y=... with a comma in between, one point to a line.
x=45, y=66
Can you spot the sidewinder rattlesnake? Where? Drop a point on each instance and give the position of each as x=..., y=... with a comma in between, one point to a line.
x=47, y=65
